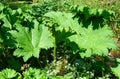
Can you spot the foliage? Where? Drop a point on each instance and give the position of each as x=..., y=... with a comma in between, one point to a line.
x=30, y=73
x=38, y=74
x=9, y=74
x=88, y=16
x=31, y=40
x=64, y=24
x=61, y=28
x=93, y=43
x=34, y=74
x=84, y=39
x=107, y=5
x=115, y=70
x=51, y=33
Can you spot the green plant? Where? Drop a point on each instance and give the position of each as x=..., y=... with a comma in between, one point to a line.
x=36, y=34
x=92, y=42
x=62, y=27
x=9, y=74
x=96, y=17
x=116, y=69
x=34, y=74
x=83, y=36
x=64, y=23
x=30, y=41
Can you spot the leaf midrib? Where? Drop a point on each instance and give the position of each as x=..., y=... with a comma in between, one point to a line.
x=30, y=44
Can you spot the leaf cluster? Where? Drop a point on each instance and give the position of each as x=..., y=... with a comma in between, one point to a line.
x=88, y=16
x=80, y=34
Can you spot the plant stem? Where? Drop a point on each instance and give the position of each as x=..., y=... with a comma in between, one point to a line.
x=55, y=51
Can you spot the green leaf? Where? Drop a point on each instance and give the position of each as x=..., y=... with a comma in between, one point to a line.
x=93, y=12
x=64, y=20
x=2, y=15
x=94, y=41
x=30, y=41
x=8, y=74
x=6, y=24
x=116, y=70
x=1, y=7
x=33, y=73
x=66, y=25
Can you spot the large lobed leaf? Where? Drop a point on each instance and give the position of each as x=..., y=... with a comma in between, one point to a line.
x=30, y=41
x=94, y=41
x=64, y=20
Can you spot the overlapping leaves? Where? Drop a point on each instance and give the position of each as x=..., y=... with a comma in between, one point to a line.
x=33, y=73
x=94, y=41
x=87, y=12
x=95, y=16
x=65, y=24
